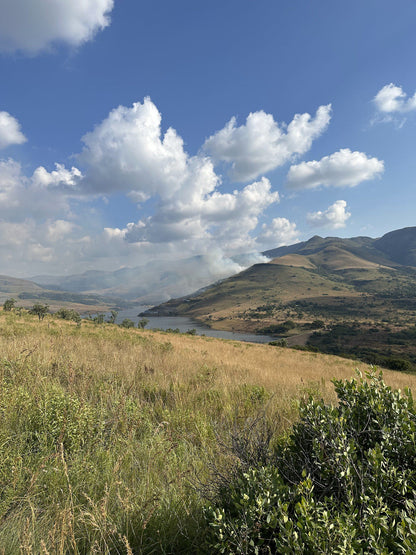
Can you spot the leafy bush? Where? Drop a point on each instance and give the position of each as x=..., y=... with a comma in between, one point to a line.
x=39, y=310
x=113, y=317
x=279, y=343
x=99, y=319
x=9, y=304
x=68, y=314
x=343, y=481
x=141, y=324
x=279, y=328
x=316, y=324
x=127, y=323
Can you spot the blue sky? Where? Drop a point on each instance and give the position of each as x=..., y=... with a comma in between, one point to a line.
x=137, y=130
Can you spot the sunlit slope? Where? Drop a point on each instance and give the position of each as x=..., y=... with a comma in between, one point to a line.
x=332, y=257
x=394, y=248
x=76, y=356
x=329, y=279
x=260, y=284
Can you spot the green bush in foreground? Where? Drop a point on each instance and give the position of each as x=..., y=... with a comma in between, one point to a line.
x=343, y=481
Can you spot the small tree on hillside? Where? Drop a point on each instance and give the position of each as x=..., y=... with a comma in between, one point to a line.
x=99, y=319
x=40, y=310
x=69, y=314
x=127, y=323
x=8, y=304
x=141, y=324
x=113, y=317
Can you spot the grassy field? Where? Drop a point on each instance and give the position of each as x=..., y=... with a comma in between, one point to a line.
x=106, y=434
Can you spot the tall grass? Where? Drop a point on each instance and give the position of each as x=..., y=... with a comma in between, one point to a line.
x=104, y=432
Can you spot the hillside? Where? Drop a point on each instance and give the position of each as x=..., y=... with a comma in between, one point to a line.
x=314, y=286
x=10, y=286
x=397, y=247
x=27, y=293
x=109, y=435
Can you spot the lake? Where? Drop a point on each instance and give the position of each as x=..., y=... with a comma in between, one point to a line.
x=184, y=324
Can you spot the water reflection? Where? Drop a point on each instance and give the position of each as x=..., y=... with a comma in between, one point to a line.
x=185, y=324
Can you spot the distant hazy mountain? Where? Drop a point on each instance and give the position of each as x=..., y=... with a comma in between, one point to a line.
x=153, y=282
x=10, y=286
x=27, y=293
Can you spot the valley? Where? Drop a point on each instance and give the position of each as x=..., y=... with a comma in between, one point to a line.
x=352, y=297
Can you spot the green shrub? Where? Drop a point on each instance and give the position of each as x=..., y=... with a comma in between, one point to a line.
x=68, y=314
x=127, y=323
x=279, y=343
x=343, y=481
x=99, y=319
x=141, y=324
x=279, y=328
x=39, y=310
x=9, y=304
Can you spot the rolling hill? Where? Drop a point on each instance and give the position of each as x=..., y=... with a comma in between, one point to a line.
x=310, y=288
x=27, y=293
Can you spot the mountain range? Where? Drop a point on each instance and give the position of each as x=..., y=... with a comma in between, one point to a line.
x=321, y=267
x=150, y=283
x=396, y=248
x=321, y=274
x=328, y=267
x=353, y=296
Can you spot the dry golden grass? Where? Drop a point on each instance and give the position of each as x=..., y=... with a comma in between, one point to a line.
x=294, y=260
x=103, y=429
x=96, y=350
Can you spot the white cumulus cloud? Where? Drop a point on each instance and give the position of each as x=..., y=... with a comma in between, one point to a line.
x=41, y=195
x=262, y=145
x=58, y=229
x=31, y=26
x=128, y=153
x=60, y=177
x=391, y=98
x=278, y=233
x=341, y=169
x=224, y=220
x=335, y=216
x=10, y=132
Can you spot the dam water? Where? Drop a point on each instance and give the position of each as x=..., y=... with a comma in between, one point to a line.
x=184, y=324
